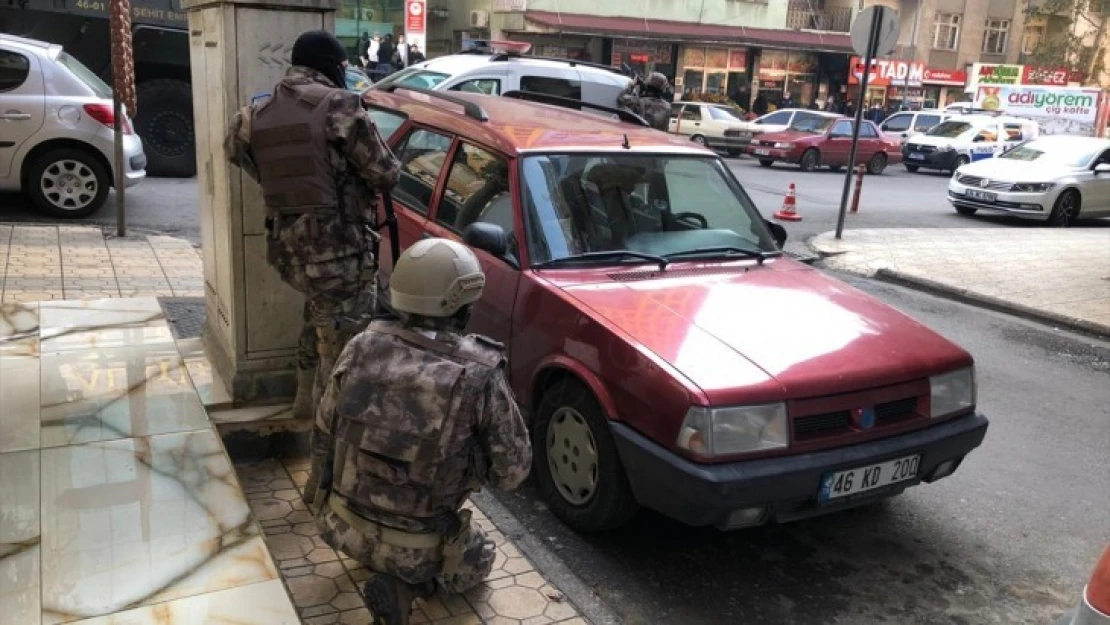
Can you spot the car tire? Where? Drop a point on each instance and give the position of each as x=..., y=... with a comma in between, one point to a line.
x=700, y=140
x=911, y=168
x=966, y=211
x=811, y=159
x=961, y=160
x=68, y=183
x=766, y=162
x=1065, y=210
x=568, y=412
x=165, y=124
x=877, y=164
x=734, y=153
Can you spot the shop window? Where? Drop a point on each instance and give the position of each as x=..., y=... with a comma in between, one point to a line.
x=718, y=71
x=477, y=190
x=14, y=69
x=996, y=36
x=692, y=81
x=422, y=156
x=925, y=122
x=898, y=123
x=1032, y=39
x=487, y=86
x=946, y=31
x=561, y=87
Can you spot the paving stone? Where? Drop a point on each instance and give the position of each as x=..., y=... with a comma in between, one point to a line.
x=285, y=546
x=312, y=590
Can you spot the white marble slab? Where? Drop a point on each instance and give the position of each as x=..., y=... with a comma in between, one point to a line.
x=112, y=393
x=210, y=388
x=142, y=521
x=58, y=315
x=19, y=330
x=257, y=604
x=19, y=403
x=19, y=538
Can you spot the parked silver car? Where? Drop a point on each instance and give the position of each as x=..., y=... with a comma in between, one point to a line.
x=56, y=140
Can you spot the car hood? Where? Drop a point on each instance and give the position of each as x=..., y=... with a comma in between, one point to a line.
x=782, y=327
x=1010, y=169
x=924, y=139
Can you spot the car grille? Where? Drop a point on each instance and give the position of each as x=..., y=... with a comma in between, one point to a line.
x=924, y=149
x=737, y=133
x=809, y=427
x=977, y=181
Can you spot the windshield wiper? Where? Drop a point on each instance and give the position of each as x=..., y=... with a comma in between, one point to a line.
x=727, y=251
x=606, y=255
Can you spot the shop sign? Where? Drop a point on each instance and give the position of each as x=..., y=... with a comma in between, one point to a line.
x=1058, y=110
x=415, y=14
x=945, y=76
x=887, y=72
x=510, y=6
x=1048, y=76
x=994, y=74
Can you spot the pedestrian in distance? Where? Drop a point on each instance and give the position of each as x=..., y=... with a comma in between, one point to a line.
x=321, y=164
x=415, y=55
x=401, y=53
x=416, y=417
x=385, y=55
x=759, y=107
x=649, y=99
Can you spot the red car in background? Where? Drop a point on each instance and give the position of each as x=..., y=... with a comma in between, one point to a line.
x=826, y=141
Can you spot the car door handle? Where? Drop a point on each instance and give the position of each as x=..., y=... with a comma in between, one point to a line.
x=15, y=116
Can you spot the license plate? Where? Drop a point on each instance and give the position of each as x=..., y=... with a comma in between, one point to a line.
x=762, y=152
x=976, y=194
x=862, y=479
x=917, y=157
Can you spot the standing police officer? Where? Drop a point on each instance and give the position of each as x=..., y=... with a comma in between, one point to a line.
x=320, y=162
x=420, y=416
x=646, y=98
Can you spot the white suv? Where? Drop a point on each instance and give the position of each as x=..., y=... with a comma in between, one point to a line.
x=56, y=139
x=497, y=73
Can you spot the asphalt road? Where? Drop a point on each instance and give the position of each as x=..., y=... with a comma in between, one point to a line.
x=1010, y=538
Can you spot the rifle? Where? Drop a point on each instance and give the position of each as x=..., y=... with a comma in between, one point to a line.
x=391, y=223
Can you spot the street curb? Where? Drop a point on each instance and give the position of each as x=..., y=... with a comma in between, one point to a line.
x=990, y=302
x=548, y=564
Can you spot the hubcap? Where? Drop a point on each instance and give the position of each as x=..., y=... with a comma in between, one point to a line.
x=572, y=456
x=69, y=184
x=1067, y=209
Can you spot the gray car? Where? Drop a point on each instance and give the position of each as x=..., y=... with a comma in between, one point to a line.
x=56, y=138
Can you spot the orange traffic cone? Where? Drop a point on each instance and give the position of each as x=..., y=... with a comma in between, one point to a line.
x=788, y=211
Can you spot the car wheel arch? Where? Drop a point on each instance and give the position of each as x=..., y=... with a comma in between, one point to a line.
x=561, y=368
x=36, y=152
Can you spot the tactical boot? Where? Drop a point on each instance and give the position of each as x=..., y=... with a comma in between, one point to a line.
x=302, y=404
x=390, y=599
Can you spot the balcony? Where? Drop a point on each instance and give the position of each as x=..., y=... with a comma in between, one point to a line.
x=809, y=15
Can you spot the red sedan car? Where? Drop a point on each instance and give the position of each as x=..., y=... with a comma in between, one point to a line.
x=826, y=142
x=663, y=349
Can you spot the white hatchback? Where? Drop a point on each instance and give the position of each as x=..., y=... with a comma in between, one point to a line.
x=56, y=137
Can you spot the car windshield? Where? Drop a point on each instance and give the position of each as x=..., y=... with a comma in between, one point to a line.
x=1066, y=153
x=816, y=125
x=356, y=80
x=726, y=114
x=421, y=78
x=656, y=205
x=86, y=76
x=949, y=129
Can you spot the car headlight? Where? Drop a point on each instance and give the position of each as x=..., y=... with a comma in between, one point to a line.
x=784, y=146
x=951, y=392
x=1032, y=187
x=723, y=431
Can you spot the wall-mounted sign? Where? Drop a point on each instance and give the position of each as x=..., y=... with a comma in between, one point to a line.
x=415, y=17
x=994, y=74
x=956, y=77
x=1048, y=76
x=888, y=72
x=510, y=6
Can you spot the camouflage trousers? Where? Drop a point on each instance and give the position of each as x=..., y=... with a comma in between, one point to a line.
x=457, y=565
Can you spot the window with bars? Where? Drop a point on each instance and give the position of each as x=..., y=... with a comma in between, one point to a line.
x=1033, y=37
x=946, y=31
x=996, y=36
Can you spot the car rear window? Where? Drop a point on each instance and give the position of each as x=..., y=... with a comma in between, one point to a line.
x=86, y=76
x=725, y=114
x=925, y=122
x=561, y=87
x=13, y=70
x=949, y=129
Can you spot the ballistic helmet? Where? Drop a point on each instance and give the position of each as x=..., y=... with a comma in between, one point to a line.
x=436, y=278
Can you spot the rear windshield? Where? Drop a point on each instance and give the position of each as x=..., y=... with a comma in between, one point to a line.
x=949, y=129
x=726, y=114
x=85, y=75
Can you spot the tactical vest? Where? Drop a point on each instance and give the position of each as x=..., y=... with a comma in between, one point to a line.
x=406, y=424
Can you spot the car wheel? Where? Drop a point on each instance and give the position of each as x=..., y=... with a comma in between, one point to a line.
x=877, y=164
x=961, y=160
x=1065, y=210
x=911, y=168
x=734, y=153
x=165, y=124
x=576, y=462
x=766, y=162
x=68, y=183
x=966, y=211
x=700, y=140
x=810, y=160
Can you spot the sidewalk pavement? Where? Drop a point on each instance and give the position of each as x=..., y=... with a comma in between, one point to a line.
x=1059, y=276
x=81, y=381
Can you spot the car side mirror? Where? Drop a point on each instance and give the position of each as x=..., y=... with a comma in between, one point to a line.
x=777, y=231
x=487, y=237
x=1102, y=168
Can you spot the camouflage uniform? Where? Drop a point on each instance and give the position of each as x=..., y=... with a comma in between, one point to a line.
x=418, y=417
x=652, y=108
x=326, y=256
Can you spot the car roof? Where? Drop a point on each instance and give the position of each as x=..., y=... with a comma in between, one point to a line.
x=702, y=103
x=458, y=63
x=515, y=126
x=981, y=117
x=821, y=113
x=43, y=47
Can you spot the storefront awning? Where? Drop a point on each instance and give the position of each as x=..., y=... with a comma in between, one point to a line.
x=592, y=25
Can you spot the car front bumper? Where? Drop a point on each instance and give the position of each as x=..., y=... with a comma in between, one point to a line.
x=765, y=153
x=728, y=143
x=785, y=486
x=931, y=160
x=1026, y=205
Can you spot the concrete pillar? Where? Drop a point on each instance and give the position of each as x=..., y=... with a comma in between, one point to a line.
x=239, y=48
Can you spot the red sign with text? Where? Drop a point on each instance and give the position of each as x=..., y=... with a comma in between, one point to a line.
x=888, y=72
x=415, y=14
x=1052, y=76
x=945, y=76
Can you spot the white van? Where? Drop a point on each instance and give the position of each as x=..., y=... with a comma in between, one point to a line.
x=966, y=138
x=496, y=73
x=905, y=124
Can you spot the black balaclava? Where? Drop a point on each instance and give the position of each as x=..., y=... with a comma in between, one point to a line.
x=321, y=51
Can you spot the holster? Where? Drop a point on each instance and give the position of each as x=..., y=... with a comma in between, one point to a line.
x=455, y=542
